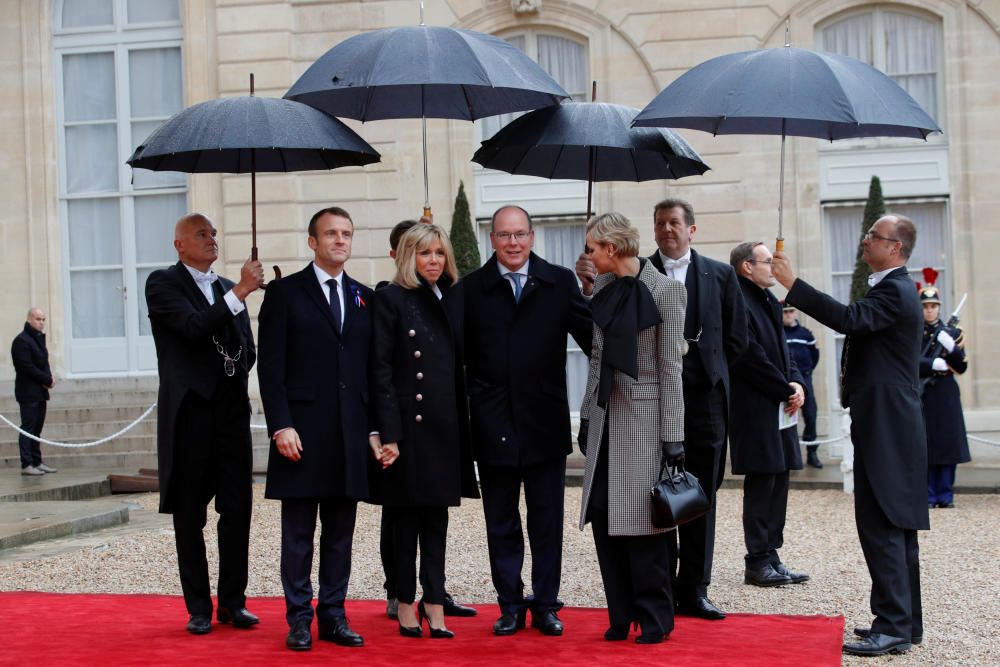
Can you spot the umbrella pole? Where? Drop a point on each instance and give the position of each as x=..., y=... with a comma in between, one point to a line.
x=427, y=196
x=253, y=194
x=779, y=243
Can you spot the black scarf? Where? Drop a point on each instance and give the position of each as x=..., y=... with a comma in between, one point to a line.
x=622, y=310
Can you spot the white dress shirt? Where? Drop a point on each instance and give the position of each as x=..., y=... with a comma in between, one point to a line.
x=875, y=278
x=522, y=275
x=204, y=282
x=678, y=272
x=322, y=276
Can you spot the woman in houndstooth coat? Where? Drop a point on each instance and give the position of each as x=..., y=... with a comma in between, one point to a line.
x=635, y=403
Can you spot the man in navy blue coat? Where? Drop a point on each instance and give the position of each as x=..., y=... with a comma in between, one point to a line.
x=880, y=385
x=518, y=311
x=32, y=381
x=313, y=367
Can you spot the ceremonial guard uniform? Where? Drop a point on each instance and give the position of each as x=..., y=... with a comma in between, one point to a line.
x=947, y=443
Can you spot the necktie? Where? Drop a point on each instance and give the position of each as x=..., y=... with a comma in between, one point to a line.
x=516, y=279
x=335, y=302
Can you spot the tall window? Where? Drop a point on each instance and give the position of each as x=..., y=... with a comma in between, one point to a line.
x=119, y=75
x=904, y=45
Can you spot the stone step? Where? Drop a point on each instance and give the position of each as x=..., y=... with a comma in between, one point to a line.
x=68, y=386
x=63, y=485
x=83, y=399
x=84, y=431
x=124, y=443
x=75, y=415
x=27, y=522
x=129, y=460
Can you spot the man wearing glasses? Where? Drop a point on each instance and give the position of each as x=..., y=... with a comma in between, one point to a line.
x=518, y=311
x=715, y=326
x=881, y=387
x=767, y=390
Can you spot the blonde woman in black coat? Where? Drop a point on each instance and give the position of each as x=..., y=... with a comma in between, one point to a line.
x=419, y=401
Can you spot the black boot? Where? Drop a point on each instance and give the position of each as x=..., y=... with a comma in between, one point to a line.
x=812, y=459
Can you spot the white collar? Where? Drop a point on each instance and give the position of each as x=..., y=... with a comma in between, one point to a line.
x=322, y=276
x=521, y=271
x=875, y=278
x=683, y=260
x=202, y=276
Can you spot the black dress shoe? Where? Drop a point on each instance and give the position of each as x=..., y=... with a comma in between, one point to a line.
x=340, y=633
x=700, y=607
x=547, y=623
x=508, y=624
x=200, y=624
x=864, y=632
x=440, y=633
x=299, y=637
x=876, y=644
x=616, y=633
x=796, y=577
x=765, y=576
x=415, y=632
x=452, y=608
x=946, y=506
x=650, y=638
x=240, y=618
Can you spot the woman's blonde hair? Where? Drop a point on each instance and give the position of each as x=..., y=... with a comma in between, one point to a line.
x=615, y=229
x=418, y=238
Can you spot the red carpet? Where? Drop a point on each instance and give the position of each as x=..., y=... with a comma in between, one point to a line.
x=50, y=628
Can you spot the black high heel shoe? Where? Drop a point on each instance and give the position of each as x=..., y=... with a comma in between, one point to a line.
x=436, y=633
x=416, y=631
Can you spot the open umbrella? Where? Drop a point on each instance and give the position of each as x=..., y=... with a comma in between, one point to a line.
x=425, y=72
x=250, y=134
x=791, y=92
x=591, y=141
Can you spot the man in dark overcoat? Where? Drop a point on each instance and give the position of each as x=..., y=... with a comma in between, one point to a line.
x=204, y=351
x=32, y=381
x=767, y=387
x=314, y=332
x=881, y=387
x=518, y=311
x=715, y=327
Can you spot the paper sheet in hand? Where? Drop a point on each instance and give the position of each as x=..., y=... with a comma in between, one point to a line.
x=786, y=420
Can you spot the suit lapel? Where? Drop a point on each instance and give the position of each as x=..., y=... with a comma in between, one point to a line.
x=315, y=292
x=194, y=292
x=704, y=287
x=351, y=307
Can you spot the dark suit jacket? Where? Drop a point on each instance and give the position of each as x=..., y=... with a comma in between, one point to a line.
x=183, y=326
x=722, y=315
x=419, y=395
x=515, y=361
x=882, y=388
x=761, y=378
x=315, y=379
x=32, y=375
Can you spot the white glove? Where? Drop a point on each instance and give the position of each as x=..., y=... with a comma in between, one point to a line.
x=947, y=342
x=940, y=364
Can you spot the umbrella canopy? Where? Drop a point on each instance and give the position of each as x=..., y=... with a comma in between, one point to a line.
x=790, y=92
x=565, y=140
x=425, y=72
x=242, y=134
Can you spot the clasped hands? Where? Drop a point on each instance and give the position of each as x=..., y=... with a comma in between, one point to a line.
x=385, y=454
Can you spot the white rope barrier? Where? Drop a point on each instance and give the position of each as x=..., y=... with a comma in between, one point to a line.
x=991, y=443
x=80, y=445
x=824, y=442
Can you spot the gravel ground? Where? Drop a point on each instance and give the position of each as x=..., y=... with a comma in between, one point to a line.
x=958, y=566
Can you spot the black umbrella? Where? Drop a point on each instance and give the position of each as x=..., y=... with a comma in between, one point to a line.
x=791, y=92
x=425, y=72
x=250, y=134
x=591, y=141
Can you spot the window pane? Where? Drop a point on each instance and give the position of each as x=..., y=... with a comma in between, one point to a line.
x=141, y=275
x=91, y=158
x=94, y=232
x=577, y=366
x=153, y=11
x=566, y=62
x=563, y=244
x=912, y=48
x=86, y=13
x=98, y=306
x=155, y=218
x=144, y=178
x=850, y=37
x=155, y=86
x=89, y=87
x=843, y=225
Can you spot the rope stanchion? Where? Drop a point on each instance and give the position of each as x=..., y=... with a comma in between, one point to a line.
x=81, y=445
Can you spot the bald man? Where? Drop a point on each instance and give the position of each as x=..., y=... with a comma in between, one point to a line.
x=205, y=350
x=32, y=381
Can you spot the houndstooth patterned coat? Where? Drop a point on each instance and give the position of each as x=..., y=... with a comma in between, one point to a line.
x=643, y=412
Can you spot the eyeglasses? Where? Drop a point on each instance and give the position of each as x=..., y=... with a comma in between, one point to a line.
x=761, y=261
x=872, y=235
x=517, y=236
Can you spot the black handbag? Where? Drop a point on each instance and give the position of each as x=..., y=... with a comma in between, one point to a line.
x=676, y=498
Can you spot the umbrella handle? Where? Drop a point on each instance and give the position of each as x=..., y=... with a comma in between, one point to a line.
x=779, y=245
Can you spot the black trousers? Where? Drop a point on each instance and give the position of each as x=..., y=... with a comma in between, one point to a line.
x=213, y=458
x=765, y=502
x=544, y=492
x=32, y=420
x=705, y=458
x=387, y=552
x=298, y=526
x=809, y=409
x=893, y=558
x=427, y=526
x=635, y=569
